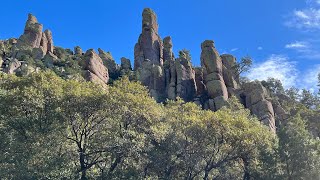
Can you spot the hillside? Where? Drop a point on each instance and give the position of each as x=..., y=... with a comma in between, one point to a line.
x=70, y=114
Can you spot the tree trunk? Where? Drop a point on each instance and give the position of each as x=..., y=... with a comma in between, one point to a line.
x=83, y=166
x=206, y=174
x=246, y=175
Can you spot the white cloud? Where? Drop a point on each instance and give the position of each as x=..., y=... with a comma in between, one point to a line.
x=282, y=68
x=234, y=49
x=260, y=48
x=310, y=79
x=307, y=19
x=278, y=67
x=297, y=45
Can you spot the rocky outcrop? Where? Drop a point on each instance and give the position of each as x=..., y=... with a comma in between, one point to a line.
x=149, y=45
x=77, y=51
x=148, y=56
x=32, y=34
x=48, y=35
x=212, y=66
x=230, y=76
x=169, y=68
x=155, y=66
x=258, y=101
x=13, y=65
x=95, y=70
x=186, y=87
x=109, y=62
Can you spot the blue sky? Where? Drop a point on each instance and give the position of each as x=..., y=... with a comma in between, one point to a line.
x=282, y=36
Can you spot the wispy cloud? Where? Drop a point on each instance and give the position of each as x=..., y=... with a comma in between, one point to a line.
x=282, y=68
x=297, y=45
x=278, y=67
x=310, y=79
x=307, y=18
x=260, y=48
x=234, y=49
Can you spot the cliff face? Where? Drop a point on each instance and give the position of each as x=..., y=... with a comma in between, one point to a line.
x=155, y=66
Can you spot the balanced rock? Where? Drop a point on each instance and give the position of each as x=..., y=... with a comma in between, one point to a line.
x=95, y=70
x=212, y=66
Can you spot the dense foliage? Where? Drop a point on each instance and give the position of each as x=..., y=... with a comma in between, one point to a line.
x=53, y=128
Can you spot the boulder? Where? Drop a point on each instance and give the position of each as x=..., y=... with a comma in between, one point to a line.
x=49, y=60
x=38, y=53
x=95, y=70
x=230, y=75
x=257, y=100
x=13, y=66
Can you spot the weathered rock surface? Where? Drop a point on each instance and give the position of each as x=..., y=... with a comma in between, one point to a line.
x=201, y=87
x=13, y=66
x=148, y=56
x=186, y=87
x=169, y=68
x=48, y=35
x=95, y=70
x=109, y=62
x=212, y=65
x=32, y=33
x=149, y=45
x=258, y=101
x=77, y=51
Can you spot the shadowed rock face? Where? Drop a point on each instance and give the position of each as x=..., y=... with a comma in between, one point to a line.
x=110, y=63
x=185, y=79
x=96, y=71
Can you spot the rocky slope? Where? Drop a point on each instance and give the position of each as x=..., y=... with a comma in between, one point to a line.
x=155, y=66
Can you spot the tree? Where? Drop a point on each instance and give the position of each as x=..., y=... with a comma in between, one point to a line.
x=293, y=94
x=243, y=66
x=202, y=144
x=307, y=98
x=299, y=152
x=30, y=120
x=184, y=53
x=274, y=85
